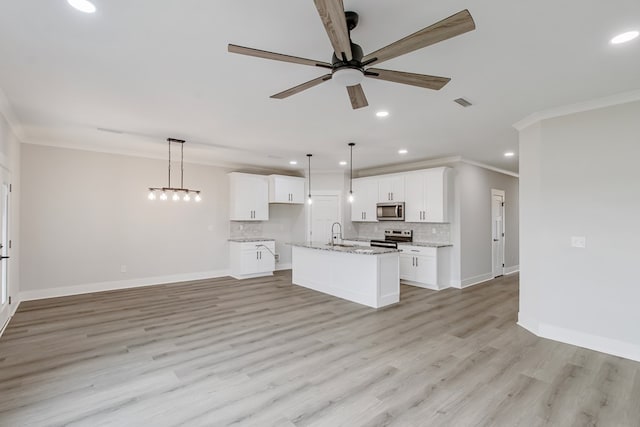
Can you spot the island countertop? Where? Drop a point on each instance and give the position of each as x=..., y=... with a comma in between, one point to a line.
x=250, y=239
x=359, y=250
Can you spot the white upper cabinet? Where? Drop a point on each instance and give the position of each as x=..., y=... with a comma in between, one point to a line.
x=414, y=205
x=426, y=195
x=365, y=198
x=248, y=197
x=286, y=189
x=391, y=188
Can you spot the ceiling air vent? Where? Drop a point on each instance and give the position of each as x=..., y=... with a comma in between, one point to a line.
x=463, y=102
x=119, y=132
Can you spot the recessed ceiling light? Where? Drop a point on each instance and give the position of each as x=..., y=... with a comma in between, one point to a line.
x=293, y=162
x=382, y=113
x=625, y=37
x=509, y=154
x=82, y=5
x=343, y=163
x=403, y=151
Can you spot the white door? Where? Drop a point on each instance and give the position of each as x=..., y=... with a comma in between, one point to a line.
x=497, y=232
x=325, y=210
x=4, y=249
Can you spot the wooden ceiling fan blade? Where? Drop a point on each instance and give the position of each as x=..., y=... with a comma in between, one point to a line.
x=356, y=95
x=304, y=86
x=413, y=79
x=452, y=26
x=332, y=15
x=276, y=56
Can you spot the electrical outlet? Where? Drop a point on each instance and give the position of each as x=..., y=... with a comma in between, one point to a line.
x=123, y=268
x=578, y=241
x=277, y=257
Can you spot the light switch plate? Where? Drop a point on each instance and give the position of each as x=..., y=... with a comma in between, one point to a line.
x=578, y=241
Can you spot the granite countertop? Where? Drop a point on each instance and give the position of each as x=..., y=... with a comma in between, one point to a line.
x=426, y=244
x=250, y=239
x=359, y=250
x=359, y=239
x=423, y=244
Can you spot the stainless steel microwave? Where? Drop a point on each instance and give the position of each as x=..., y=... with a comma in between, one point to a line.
x=390, y=211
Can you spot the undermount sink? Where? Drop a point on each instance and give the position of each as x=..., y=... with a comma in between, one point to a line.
x=341, y=245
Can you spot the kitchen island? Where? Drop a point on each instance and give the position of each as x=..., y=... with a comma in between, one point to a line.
x=368, y=276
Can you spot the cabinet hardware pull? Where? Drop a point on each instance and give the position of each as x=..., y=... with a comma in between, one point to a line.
x=416, y=261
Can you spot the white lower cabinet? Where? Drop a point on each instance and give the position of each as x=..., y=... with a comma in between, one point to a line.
x=425, y=267
x=252, y=259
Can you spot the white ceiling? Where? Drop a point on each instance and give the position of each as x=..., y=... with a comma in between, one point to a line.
x=161, y=68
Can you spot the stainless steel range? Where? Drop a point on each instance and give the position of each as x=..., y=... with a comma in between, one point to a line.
x=393, y=237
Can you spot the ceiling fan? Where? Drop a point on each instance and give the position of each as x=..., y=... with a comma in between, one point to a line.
x=348, y=65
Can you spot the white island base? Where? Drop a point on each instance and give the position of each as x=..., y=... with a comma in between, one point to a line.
x=369, y=279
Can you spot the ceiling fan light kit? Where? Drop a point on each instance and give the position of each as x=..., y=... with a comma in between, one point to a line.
x=347, y=76
x=348, y=65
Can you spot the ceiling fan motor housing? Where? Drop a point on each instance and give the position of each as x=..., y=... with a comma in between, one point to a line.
x=348, y=73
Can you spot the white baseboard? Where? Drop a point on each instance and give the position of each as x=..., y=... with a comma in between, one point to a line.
x=581, y=339
x=284, y=266
x=118, y=284
x=511, y=270
x=465, y=283
x=13, y=311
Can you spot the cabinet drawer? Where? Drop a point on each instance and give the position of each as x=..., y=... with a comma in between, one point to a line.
x=418, y=250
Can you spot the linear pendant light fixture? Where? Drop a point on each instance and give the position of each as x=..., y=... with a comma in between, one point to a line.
x=309, y=176
x=351, y=145
x=175, y=190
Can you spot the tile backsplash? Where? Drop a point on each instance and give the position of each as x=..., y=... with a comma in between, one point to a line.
x=430, y=232
x=239, y=229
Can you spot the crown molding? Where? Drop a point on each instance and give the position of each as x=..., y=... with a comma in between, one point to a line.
x=7, y=112
x=425, y=164
x=491, y=168
x=154, y=155
x=406, y=167
x=565, y=110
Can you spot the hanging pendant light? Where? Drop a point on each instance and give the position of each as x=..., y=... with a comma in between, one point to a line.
x=309, y=200
x=351, y=145
x=175, y=190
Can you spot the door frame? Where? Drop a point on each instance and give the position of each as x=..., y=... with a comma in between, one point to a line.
x=496, y=192
x=5, y=176
x=307, y=234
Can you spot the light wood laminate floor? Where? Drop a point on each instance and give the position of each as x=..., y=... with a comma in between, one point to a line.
x=263, y=352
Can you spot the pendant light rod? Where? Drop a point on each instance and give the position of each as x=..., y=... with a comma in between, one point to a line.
x=309, y=175
x=351, y=145
x=182, y=165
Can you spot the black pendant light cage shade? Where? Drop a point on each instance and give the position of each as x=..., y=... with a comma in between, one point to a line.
x=176, y=190
x=309, y=175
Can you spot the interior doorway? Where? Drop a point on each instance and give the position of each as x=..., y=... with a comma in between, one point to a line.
x=5, y=193
x=497, y=231
x=323, y=212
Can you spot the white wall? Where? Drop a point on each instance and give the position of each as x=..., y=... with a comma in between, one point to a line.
x=86, y=214
x=474, y=185
x=10, y=161
x=580, y=177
